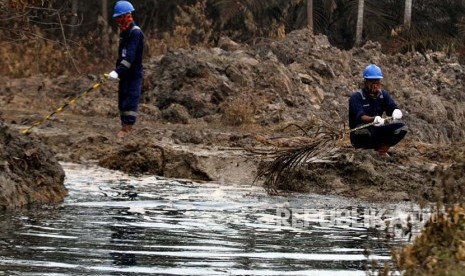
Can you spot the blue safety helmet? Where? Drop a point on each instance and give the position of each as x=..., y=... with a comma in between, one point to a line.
x=122, y=7
x=372, y=72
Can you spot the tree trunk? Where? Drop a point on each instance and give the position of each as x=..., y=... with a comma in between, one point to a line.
x=74, y=18
x=105, y=10
x=106, y=29
x=359, y=30
x=310, y=15
x=408, y=14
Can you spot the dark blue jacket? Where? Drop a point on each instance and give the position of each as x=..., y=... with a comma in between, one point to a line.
x=130, y=52
x=361, y=103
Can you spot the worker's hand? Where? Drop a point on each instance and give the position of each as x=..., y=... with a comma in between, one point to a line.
x=396, y=114
x=113, y=75
x=378, y=121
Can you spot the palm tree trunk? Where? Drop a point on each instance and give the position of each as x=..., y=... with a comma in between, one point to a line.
x=106, y=30
x=359, y=30
x=310, y=15
x=105, y=10
x=408, y=14
x=74, y=12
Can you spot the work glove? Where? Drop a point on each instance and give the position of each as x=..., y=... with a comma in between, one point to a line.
x=113, y=75
x=396, y=114
x=378, y=121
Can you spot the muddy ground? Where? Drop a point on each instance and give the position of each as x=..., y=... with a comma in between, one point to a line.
x=204, y=111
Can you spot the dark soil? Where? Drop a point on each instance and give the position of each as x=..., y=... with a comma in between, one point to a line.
x=29, y=171
x=202, y=111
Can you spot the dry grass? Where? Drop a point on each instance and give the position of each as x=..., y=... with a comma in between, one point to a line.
x=96, y=51
x=39, y=56
x=239, y=111
x=440, y=248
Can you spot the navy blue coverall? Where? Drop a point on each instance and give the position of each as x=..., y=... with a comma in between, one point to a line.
x=373, y=137
x=130, y=72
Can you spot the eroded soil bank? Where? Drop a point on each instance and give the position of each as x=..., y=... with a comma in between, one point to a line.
x=203, y=110
x=29, y=171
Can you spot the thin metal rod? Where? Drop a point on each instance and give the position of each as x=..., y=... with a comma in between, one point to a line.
x=367, y=125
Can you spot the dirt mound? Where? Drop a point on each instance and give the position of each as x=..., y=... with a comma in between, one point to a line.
x=303, y=76
x=135, y=158
x=29, y=172
x=361, y=174
x=199, y=99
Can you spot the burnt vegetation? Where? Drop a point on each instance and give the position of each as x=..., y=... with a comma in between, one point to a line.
x=61, y=37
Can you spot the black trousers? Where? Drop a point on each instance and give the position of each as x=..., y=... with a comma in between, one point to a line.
x=129, y=91
x=373, y=137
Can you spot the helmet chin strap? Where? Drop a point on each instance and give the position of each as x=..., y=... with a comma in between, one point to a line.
x=124, y=21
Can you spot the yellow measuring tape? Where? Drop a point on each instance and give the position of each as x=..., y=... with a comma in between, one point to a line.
x=58, y=110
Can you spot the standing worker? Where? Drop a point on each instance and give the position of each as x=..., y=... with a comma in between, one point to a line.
x=129, y=67
x=367, y=106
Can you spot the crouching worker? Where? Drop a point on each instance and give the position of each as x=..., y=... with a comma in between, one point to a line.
x=367, y=106
x=129, y=68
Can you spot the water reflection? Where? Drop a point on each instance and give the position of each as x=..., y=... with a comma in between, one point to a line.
x=122, y=234
x=112, y=224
